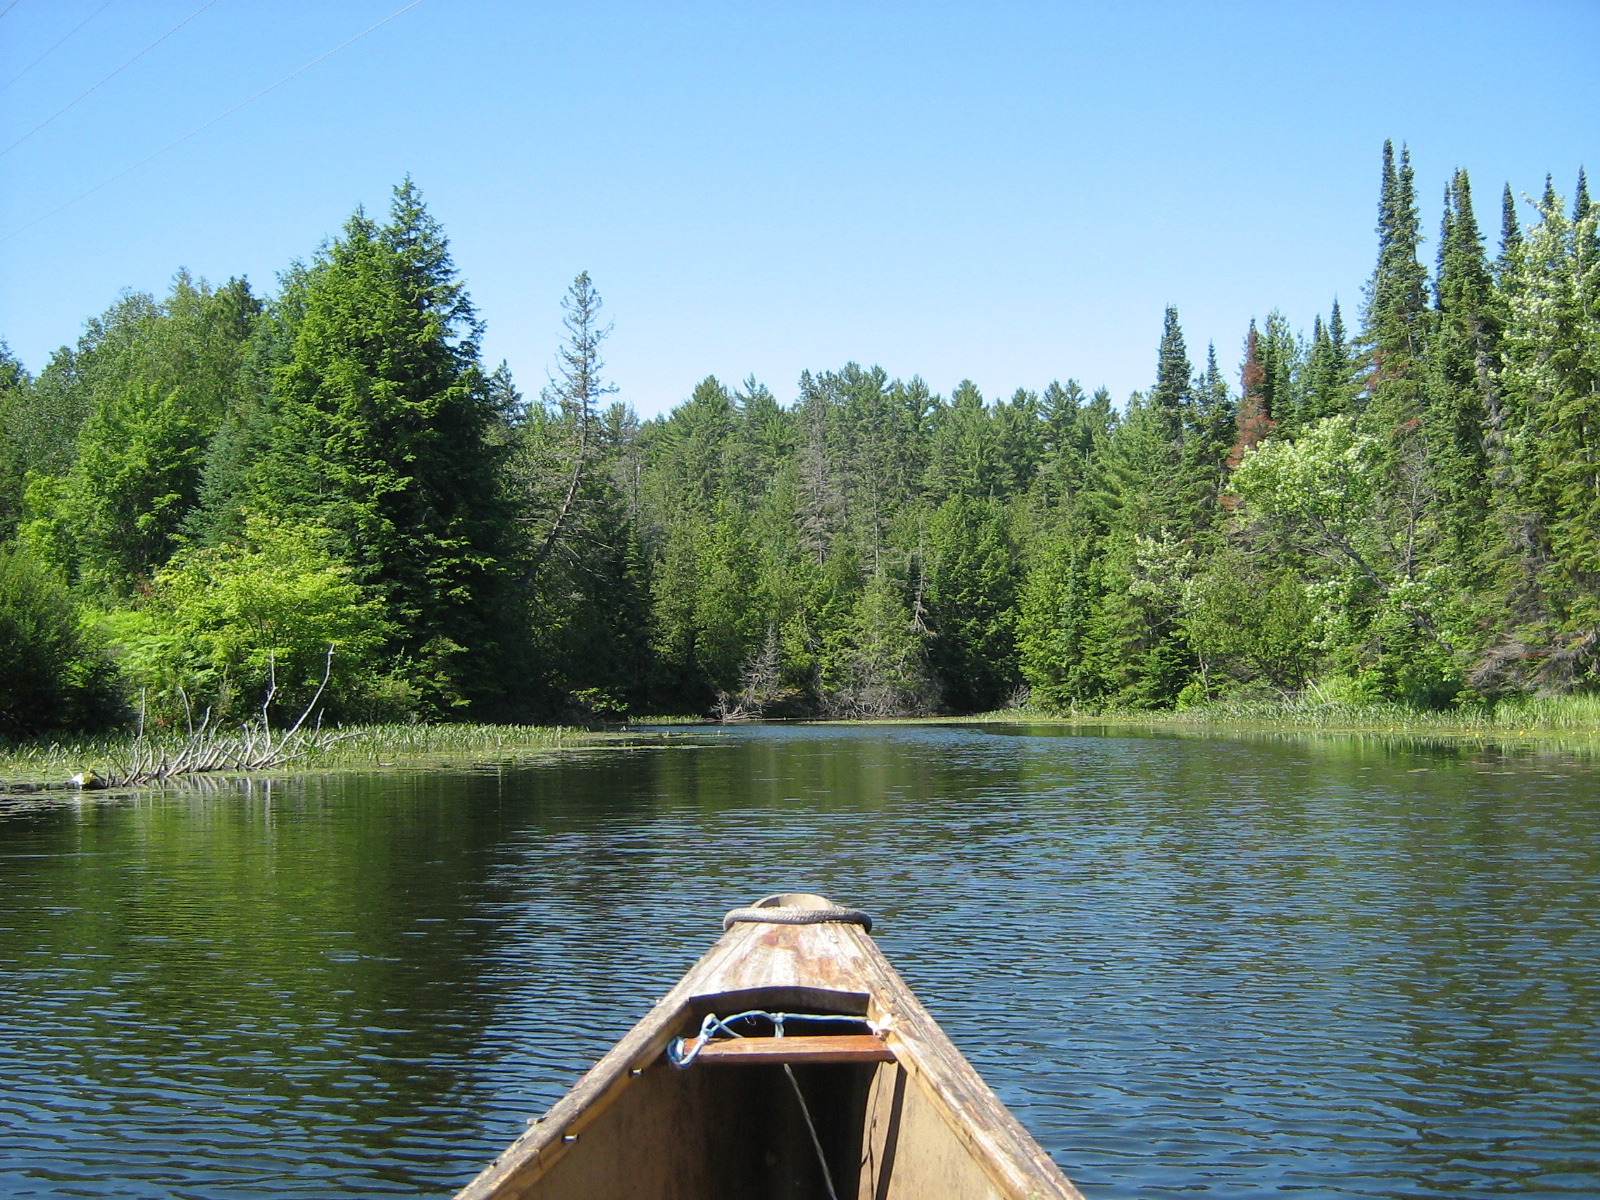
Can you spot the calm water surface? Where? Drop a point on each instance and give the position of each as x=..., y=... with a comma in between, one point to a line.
x=1202, y=966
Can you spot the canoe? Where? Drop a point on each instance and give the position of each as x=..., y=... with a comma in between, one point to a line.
x=790, y=1063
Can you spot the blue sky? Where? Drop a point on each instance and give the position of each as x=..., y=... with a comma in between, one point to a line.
x=1010, y=193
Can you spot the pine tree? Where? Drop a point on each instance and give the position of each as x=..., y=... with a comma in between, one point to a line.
x=571, y=399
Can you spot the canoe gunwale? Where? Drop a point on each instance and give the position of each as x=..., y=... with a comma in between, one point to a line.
x=824, y=968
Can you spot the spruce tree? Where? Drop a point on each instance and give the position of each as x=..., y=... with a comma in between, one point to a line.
x=1397, y=292
x=1328, y=373
x=1255, y=421
x=15, y=393
x=1172, y=396
x=1510, y=234
x=1463, y=359
x=1551, y=376
x=1587, y=242
x=382, y=434
x=971, y=602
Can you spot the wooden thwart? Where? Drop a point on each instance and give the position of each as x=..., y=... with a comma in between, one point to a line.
x=832, y=1048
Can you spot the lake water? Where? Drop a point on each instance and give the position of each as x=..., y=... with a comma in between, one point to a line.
x=1202, y=966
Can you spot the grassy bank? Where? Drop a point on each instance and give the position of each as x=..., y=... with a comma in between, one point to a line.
x=52, y=764
x=1523, y=717
x=55, y=762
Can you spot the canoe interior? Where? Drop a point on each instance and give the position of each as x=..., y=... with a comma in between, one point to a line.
x=713, y=1131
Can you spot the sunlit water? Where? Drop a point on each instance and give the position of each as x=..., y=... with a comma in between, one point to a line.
x=1202, y=966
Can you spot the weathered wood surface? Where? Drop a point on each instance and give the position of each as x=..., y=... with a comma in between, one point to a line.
x=833, y=1048
x=934, y=1128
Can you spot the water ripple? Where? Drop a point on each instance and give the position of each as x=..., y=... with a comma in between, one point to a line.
x=1226, y=968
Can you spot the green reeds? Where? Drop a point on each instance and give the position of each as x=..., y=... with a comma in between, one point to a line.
x=1520, y=716
x=134, y=759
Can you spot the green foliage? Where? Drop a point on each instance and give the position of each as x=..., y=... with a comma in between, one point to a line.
x=117, y=515
x=1248, y=628
x=1057, y=598
x=382, y=434
x=140, y=399
x=971, y=604
x=16, y=388
x=1407, y=517
x=1397, y=293
x=223, y=627
x=53, y=675
x=873, y=663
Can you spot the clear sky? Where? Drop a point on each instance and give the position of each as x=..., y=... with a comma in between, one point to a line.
x=1005, y=192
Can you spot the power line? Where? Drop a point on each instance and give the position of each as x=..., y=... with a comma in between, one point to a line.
x=47, y=53
x=202, y=128
x=9, y=7
x=109, y=77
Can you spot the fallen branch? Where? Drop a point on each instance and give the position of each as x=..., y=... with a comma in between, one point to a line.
x=256, y=746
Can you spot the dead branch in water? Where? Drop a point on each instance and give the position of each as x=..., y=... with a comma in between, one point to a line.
x=255, y=746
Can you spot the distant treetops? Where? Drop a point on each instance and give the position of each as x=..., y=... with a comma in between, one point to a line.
x=210, y=492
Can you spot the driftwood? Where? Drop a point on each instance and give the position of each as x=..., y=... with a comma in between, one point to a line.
x=254, y=746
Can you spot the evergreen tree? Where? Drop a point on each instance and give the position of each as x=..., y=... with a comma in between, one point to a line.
x=971, y=603
x=1551, y=377
x=573, y=398
x=873, y=664
x=1397, y=293
x=1463, y=360
x=966, y=457
x=1255, y=423
x=1587, y=240
x=1171, y=398
x=15, y=395
x=1328, y=370
x=1215, y=416
x=1510, y=234
x=1056, y=604
x=383, y=434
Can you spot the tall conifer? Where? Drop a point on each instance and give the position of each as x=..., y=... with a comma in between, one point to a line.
x=382, y=435
x=1255, y=421
x=1397, y=292
x=1510, y=234
x=1462, y=395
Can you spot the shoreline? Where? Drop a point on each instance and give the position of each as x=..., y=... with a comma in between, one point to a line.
x=47, y=768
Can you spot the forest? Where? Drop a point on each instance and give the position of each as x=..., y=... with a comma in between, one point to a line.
x=222, y=498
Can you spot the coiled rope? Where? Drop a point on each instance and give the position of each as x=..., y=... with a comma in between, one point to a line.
x=796, y=915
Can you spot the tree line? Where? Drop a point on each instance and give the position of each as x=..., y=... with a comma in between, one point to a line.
x=221, y=497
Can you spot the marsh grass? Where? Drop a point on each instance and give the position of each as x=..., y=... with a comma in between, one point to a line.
x=159, y=756
x=1523, y=716
x=27, y=766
